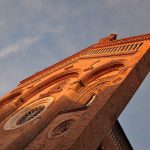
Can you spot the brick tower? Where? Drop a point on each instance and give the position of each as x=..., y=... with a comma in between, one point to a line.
x=75, y=103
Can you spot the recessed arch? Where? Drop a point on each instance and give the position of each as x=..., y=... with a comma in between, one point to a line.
x=103, y=71
x=10, y=97
x=87, y=94
x=52, y=80
x=58, y=87
x=96, y=81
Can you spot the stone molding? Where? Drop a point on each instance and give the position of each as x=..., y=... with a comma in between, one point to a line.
x=76, y=56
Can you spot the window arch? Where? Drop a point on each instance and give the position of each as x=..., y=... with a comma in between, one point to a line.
x=58, y=87
x=52, y=80
x=101, y=71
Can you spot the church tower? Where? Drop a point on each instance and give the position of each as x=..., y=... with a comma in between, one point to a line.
x=74, y=104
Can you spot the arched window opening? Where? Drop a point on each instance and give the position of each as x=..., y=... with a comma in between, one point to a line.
x=106, y=70
x=56, y=88
x=56, y=80
x=49, y=82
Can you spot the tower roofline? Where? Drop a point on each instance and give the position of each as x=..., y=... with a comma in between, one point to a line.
x=110, y=40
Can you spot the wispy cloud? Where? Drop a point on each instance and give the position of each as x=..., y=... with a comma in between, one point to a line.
x=21, y=44
x=18, y=46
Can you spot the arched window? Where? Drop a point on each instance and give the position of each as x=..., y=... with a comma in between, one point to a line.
x=103, y=71
x=49, y=82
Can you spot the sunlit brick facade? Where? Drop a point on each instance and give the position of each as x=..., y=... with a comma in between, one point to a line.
x=75, y=103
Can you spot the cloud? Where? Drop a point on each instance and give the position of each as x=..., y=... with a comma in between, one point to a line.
x=44, y=28
x=18, y=46
x=21, y=44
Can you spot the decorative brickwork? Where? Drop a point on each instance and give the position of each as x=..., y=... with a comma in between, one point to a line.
x=75, y=103
x=76, y=56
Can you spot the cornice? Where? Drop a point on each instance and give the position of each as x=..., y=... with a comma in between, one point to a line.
x=143, y=37
x=74, y=57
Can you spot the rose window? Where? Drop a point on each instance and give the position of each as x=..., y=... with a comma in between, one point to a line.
x=62, y=127
x=30, y=115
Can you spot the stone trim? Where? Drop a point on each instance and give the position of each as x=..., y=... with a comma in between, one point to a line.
x=76, y=56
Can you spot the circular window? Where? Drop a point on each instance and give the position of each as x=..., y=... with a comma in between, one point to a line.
x=62, y=124
x=28, y=113
x=62, y=127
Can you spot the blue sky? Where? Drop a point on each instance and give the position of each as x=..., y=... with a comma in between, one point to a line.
x=35, y=34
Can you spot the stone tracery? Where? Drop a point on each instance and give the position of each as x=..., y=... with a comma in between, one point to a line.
x=28, y=113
